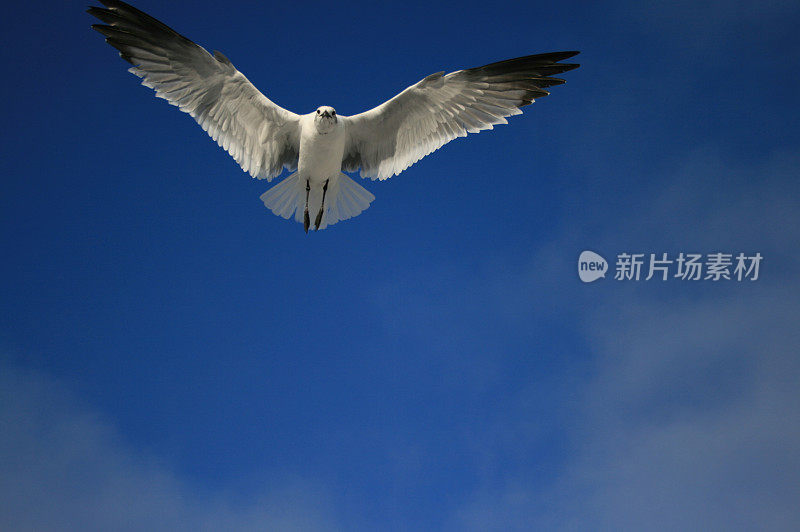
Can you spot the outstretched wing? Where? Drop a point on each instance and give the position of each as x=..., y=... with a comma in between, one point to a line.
x=262, y=136
x=386, y=140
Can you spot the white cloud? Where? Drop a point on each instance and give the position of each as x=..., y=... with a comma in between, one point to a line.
x=688, y=420
x=64, y=468
x=692, y=418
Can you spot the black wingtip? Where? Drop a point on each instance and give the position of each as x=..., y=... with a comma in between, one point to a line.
x=559, y=56
x=551, y=57
x=105, y=15
x=97, y=12
x=115, y=3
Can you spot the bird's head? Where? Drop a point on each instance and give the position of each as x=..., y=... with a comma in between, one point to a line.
x=325, y=118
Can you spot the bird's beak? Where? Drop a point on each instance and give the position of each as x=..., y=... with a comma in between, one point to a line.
x=326, y=114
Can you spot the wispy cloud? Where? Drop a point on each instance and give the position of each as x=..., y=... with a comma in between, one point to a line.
x=63, y=467
x=687, y=416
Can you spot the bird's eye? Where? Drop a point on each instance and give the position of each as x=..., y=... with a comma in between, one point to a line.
x=317, y=111
x=333, y=113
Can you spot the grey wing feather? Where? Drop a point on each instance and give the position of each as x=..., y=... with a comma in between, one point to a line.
x=260, y=135
x=386, y=140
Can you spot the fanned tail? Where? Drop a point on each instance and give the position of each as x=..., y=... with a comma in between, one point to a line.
x=344, y=199
x=283, y=199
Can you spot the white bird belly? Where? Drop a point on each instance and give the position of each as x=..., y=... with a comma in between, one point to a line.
x=320, y=156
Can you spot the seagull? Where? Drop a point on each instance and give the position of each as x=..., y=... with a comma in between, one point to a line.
x=320, y=146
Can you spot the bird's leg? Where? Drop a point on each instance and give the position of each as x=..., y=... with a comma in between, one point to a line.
x=306, y=220
x=322, y=207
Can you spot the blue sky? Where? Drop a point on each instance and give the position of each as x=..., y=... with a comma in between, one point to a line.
x=172, y=355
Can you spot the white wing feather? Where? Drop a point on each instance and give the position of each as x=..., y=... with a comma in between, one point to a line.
x=260, y=135
x=386, y=140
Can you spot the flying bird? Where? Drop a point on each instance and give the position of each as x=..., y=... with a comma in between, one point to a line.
x=320, y=146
